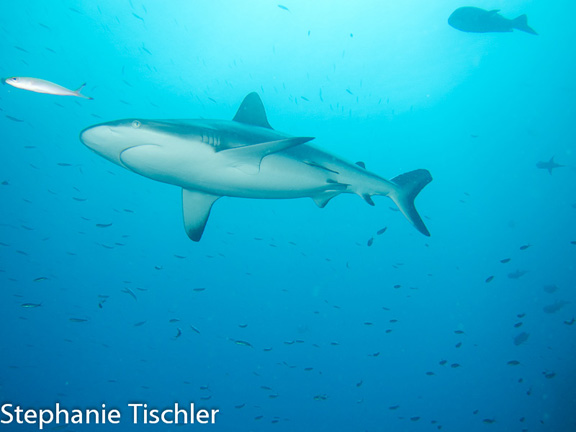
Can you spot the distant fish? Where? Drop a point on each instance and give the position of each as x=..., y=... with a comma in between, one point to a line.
x=513, y=363
x=555, y=307
x=243, y=343
x=370, y=241
x=550, y=288
x=42, y=86
x=550, y=165
x=30, y=305
x=476, y=20
x=521, y=338
x=100, y=225
x=505, y=260
x=77, y=320
x=40, y=279
x=283, y=8
x=489, y=279
x=524, y=247
x=178, y=334
x=571, y=322
x=517, y=274
x=381, y=231
x=130, y=292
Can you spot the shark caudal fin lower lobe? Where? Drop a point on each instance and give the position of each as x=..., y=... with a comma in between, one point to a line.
x=521, y=23
x=409, y=185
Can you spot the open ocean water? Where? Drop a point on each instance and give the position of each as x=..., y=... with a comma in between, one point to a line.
x=287, y=317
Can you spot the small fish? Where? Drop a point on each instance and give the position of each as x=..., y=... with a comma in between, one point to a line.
x=458, y=332
x=40, y=279
x=195, y=329
x=370, y=241
x=555, y=307
x=321, y=397
x=394, y=407
x=283, y=8
x=571, y=322
x=550, y=288
x=178, y=334
x=100, y=225
x=77, y=320
x=305, y=98
x=129, y=291
x=31, y=305
x=174, y=320
x=518, y=324
x=243, y=343
x=549, y=375
x=381, y=231
x=489, y=279
x=458, y=345
x=521, y=338
x=349, y=92
x=489, y=421
x=455, y=365
x=141, y=323
x=9, y=117
x=505, y=260
x=42, y=86
x=524, y=247
x=513, y=363
x=517, y=274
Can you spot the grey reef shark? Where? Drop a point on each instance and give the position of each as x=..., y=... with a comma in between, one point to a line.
x=243, y=158
x=476, y=20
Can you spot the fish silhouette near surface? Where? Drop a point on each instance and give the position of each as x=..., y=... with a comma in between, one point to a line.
x=476, y=20
x=550, y=165
x=242, y=158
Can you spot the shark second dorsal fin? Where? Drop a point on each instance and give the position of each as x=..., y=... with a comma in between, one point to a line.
x=196, y=209
x=252, y=112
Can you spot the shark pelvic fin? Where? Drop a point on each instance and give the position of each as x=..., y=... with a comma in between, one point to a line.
x=248, y=158
x=196, y=209
x=252, y=112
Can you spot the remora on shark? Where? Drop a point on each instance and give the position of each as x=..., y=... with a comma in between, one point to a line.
x=242, y=158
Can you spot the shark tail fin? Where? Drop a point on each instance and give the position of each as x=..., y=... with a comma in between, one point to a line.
x=409, y=185
x=521, y=23
x=79, y=89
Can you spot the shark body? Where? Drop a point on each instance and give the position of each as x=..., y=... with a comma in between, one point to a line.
x=243, y=158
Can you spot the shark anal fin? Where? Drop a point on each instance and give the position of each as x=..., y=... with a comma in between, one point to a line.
x=252, y=112
x=196, y=209
x=248, y=158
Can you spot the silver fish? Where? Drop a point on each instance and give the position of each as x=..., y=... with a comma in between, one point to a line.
x=42, y=86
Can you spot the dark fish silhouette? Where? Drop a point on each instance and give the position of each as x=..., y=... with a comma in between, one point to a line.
x=550, y=165
x=476, y=20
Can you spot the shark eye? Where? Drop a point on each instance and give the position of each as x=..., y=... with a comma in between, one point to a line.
x=136, y=124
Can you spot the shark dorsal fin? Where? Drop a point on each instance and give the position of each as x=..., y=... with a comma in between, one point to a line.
x=252, y=112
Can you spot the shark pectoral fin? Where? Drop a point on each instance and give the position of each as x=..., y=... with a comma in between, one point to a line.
x=196, y=209
x=248, y=158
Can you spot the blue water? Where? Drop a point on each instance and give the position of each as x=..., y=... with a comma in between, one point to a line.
x=387, y=83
